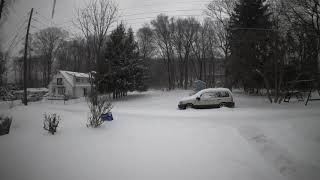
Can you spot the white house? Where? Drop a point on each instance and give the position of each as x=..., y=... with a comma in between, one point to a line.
x=72, y=84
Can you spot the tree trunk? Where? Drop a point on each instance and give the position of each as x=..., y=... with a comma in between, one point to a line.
x=169, y=70
x=266, y=82
x=186, y=75
x=200, y=70
x=213, y=74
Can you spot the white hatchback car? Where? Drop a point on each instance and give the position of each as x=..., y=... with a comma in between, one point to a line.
x=208, y=98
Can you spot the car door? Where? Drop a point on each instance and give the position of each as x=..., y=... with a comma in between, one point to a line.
x=208, y=99
x=224, y=97
x=218, y=97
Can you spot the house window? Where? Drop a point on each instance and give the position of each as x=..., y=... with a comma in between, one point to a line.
x=59, y=81
x=54, y=91
x=77, y=80
x=61, y=90
x=84, y=92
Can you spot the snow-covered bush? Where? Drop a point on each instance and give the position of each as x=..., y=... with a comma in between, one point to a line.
x=5, y=123
x=98, y=105
x=51, y=122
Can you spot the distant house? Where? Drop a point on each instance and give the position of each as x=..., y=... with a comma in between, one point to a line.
x=71, y=84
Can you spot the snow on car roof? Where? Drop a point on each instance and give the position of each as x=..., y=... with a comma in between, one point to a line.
x=214, y=90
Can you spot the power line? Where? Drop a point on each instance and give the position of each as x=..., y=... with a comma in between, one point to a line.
x=34, y=27
x=257, y=29
x=163, y=3
x=126, y=15
x=14, y=42
x=54, y=23
x=40, y=22
x=151, y=17
x=22, y=23
x=13, y=39
x=158, y=12
x=17, y=43
x=43, y=17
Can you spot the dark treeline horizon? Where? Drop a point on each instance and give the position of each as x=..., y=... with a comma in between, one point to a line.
x=253, y=44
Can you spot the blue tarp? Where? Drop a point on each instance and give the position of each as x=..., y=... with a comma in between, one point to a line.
x=107, y=117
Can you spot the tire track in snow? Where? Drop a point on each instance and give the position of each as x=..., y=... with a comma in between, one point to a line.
x=279, y=157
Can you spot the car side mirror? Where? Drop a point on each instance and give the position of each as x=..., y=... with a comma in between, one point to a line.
x=198, y=98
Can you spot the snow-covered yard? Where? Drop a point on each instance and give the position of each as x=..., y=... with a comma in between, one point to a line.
x=151, y=139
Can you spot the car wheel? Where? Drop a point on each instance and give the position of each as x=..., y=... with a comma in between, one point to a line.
x=223, y=104
x=189, y=105
x=182, y=107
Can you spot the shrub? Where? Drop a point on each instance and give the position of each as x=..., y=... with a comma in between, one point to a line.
x=5, y=123
x=98, y=105
x=51, y=122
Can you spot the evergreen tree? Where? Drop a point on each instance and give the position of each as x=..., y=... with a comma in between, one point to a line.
x=137, y=67
x=250, y=40
x=126, y=70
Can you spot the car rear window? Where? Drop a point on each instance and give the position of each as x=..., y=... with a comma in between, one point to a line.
x=223, y=94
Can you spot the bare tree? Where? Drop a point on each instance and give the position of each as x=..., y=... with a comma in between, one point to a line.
x=306, y=14
x=220, y=9
x=72, y=55
x=200, y=49
x=146, y=42
x=184, y=35
x=46, y=44
x=163, y=35
x=94, y=20
x=220, y=12
x=178, y=39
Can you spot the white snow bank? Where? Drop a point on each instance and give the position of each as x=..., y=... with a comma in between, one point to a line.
x=151, y=139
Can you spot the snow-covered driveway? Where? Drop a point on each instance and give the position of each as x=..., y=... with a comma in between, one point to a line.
x=150, y=139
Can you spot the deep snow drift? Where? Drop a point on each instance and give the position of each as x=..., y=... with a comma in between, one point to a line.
x=151, y=139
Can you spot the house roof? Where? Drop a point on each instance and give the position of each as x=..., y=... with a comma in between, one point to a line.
x=76, y=74
x=69, y=76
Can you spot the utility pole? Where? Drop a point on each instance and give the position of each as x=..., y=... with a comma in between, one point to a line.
x=25, y=61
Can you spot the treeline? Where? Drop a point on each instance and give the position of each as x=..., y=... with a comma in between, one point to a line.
x=114, y=57
x=122, y=70
x=188, y=49
x=43, y=57
x=272, y=44
x=254, y=44
x=263, y=44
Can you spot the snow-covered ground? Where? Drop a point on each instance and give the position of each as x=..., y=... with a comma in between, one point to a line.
x=151, y=139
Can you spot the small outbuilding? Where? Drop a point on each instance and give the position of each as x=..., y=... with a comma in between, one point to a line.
x=198, y=85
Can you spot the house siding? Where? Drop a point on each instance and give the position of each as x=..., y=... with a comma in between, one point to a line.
x=74, y=90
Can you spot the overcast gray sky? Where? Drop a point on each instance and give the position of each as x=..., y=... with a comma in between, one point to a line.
x=134, y=13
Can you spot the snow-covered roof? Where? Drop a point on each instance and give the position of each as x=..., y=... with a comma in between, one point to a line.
x=69, y=75
x=76, y=74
